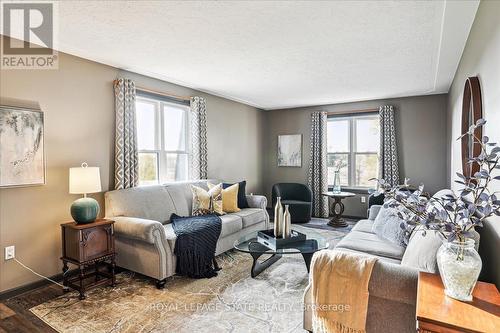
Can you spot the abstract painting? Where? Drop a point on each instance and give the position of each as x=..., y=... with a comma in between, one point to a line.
x=290, y=150
x=22, y=156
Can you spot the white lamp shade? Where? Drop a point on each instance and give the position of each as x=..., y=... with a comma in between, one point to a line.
x=84, y=180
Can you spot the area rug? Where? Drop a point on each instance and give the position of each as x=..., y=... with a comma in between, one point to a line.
x=230, y=302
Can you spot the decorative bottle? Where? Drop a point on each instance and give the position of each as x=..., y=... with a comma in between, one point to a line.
x=278, y=218
x=287, y=223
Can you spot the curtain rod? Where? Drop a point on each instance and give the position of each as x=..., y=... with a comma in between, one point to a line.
x=156, y=92
x=161, y=93
x=331, y=113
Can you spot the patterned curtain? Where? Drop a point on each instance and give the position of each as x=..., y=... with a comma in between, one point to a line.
x=126, y=154
x=318, y=172
x=388, y=169
x=198, y=162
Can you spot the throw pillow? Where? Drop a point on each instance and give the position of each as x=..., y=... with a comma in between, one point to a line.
x=422, y=250
x=242, y=196
x=387, y=225
x=207, y=202
x=229, y=198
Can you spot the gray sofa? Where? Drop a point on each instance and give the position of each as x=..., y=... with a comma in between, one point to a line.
x=144, y=237
x=393, y=283
x=392, y=287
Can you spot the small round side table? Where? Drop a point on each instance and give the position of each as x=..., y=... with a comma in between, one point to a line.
x=337, y=208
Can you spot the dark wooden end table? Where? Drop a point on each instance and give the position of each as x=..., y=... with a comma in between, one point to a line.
x=337, y=208
x=88, y=246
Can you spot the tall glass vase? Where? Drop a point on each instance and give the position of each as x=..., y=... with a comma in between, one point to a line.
x=459, y=266
x=336, y=182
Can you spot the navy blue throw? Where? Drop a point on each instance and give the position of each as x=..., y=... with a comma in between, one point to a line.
x=195, y=245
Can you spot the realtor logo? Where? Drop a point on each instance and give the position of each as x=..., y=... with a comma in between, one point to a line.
x=30, y=27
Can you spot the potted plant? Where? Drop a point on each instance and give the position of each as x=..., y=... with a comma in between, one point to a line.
x=454, y=216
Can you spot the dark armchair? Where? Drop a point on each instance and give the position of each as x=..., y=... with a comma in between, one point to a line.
x=298, y=197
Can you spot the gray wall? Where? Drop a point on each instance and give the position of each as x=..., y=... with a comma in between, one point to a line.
x=481, y=58
x=421, y=125
x=78, y=103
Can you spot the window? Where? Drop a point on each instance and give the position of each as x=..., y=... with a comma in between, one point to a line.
x=353, y=143
x=162, y=140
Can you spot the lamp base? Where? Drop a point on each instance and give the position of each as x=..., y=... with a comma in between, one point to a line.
x=84, y=210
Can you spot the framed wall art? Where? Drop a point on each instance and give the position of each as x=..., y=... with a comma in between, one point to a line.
x=22, y=155
x=290, y=150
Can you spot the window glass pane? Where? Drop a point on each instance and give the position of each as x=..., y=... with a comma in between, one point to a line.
x=177, y=167
x=367, y=135
x=366, y=168
x=338, y=136
x=145, y=117
x=174, y=119
x=148, y=168
x=333, y=162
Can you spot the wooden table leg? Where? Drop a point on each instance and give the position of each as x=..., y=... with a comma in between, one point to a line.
x=113, y=266
x=337, y=221
x=65, y=278
x=82, y=286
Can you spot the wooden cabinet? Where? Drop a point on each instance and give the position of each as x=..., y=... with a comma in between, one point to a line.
x=438, y=313
x=88, y=246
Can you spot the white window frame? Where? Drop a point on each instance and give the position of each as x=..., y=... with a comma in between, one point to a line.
x=352, y=153
x=160, y=150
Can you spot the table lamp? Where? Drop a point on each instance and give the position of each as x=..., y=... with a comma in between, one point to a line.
x=84, y=180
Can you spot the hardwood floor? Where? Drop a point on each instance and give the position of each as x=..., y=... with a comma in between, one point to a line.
x=15, y=316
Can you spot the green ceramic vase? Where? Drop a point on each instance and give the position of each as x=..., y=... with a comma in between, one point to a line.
x=84, y=210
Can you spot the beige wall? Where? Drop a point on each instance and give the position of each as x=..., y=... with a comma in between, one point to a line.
x=78, y=104
x=421, y=132
x=481, y=58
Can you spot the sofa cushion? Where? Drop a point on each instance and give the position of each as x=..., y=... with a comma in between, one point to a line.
x=372, y=244
x=422, y=250
x=363, y=226
x=251, y=216
x=230, y=225
x=384, y=259
x=148, y=202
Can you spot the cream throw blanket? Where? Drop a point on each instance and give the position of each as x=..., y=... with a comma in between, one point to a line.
x=339, y=285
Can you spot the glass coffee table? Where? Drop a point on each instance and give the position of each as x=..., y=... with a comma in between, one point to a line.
x=249, y=244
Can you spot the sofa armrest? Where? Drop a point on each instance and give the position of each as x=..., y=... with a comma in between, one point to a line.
x=373, y=212
x=257, y=201
x=137, y=228
x=394, y=282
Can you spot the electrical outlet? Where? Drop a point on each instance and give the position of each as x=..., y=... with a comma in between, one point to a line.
x=363, y=199
x=10, y=252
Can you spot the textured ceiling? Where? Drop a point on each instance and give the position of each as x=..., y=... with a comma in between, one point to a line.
x=277, y=54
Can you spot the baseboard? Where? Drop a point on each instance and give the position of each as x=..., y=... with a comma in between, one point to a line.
x=40, y=283
x=31, y=286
